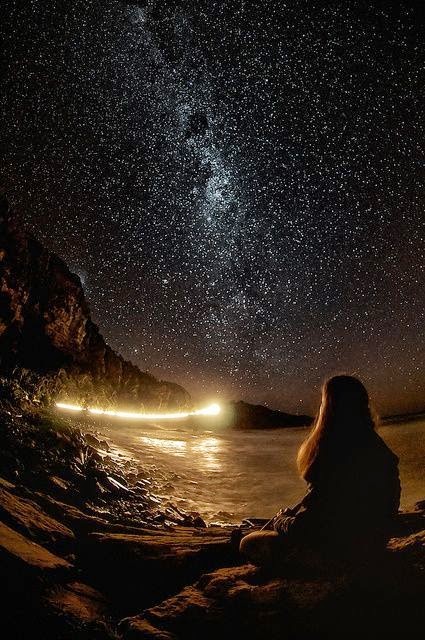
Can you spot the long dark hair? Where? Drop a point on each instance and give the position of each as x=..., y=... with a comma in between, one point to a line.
x=343, y=416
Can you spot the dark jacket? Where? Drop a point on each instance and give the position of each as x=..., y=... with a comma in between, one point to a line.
x=352, y=498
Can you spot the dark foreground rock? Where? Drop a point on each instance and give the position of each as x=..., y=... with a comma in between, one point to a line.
x=26, y=517
x=150, y=564
x=95, y=576
x=379, y=600
x=26, y=558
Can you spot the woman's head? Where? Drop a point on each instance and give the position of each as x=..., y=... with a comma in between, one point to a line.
x=344, y=396
x=343, y=415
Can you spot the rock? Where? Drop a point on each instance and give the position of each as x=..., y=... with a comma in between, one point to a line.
x=118, y=483
x=408, y=523
x=80, y=601
x=10, y=465
x=79, y=521
x=37, y=599
x=382, y=600
x=157, y=561
x=28, y=518
x=420, y=506
x=5, y=484
x=190, y=610
x=141, y=629
x=67, y=470
x=411, y=548
x=92, y=440
x=103, y=445
x=22, y=558
x=60, y=485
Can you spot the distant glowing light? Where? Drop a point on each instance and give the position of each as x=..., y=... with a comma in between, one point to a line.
x=68, y=407
x=211, y=410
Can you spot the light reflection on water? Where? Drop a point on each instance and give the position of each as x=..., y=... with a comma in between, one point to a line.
x=207, y=448
x=177, y=447
x=229, y=475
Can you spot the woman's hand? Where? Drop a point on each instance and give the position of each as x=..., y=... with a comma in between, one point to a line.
x=285, y=511
x=280, y=514
x=283, y=520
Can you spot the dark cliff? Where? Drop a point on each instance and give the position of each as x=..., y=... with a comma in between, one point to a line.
x=46, y=329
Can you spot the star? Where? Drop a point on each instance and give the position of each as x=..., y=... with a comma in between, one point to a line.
x=239, y=188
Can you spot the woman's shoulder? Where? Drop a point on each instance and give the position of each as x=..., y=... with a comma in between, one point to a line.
x=379, y=446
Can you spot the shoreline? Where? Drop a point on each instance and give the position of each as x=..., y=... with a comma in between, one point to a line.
x=198, y=469
x=89, y=552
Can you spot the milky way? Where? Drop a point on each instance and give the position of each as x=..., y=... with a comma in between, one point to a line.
x=239, y=185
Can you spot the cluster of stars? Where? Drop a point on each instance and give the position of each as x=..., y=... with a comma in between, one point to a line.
x=240, y=186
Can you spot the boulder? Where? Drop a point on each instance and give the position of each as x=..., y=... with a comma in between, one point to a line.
x=151, y=564
x=29, y=519
x=141, y=629
x=411, y=548
x=22, y=558
x=79, y=599
x=76, y=519
x=382, y=600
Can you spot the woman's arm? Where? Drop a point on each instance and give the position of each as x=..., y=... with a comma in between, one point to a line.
x=300, y=517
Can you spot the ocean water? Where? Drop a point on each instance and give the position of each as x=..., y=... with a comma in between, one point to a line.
x=229, y=475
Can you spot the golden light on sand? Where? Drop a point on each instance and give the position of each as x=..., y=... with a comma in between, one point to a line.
x=211, y=410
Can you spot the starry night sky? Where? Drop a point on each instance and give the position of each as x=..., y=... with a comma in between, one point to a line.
x=239, y=185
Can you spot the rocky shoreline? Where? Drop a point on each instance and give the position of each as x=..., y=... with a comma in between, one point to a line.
x=87, y=550
x=78, y=527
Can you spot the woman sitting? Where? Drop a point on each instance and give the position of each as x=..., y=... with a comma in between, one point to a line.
x=353, y=486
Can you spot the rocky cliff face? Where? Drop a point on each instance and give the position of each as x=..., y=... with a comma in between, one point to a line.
x=46, y=328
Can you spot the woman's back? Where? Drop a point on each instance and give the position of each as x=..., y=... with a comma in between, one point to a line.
x=355, y=495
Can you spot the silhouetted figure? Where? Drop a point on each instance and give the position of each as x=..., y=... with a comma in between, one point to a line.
x=353, y=486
